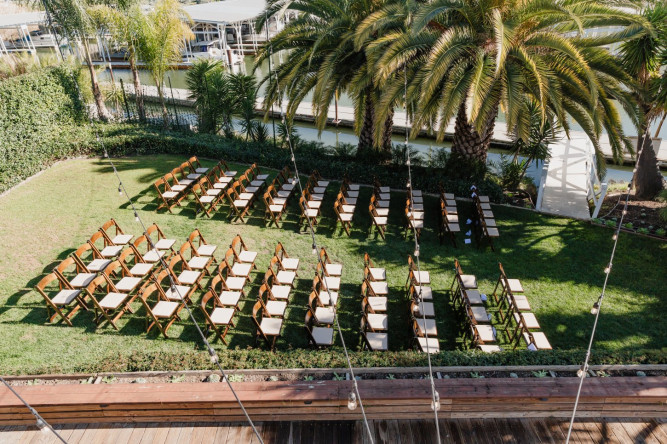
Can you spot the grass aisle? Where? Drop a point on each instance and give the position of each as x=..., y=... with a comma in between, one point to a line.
x=560, y=263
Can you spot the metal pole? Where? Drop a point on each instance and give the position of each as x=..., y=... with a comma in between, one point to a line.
x=273, y=117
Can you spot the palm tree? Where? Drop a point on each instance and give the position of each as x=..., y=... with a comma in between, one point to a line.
x=468, y=59
x=643, y=58
x=161, y=41
x=322, y=60
x=73, y=17
x=125, y=22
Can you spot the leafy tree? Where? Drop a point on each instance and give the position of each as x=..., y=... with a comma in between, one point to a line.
x=323, y=60
x=644, y=59
x=125, y=23
x=468, y=59
x=161, y=41
x=74, y=18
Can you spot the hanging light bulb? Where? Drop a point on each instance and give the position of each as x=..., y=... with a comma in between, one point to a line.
x=214, y=356
x=408, y=162
x=615, y=236
x=416, y=252
x=581, y=372
x=136, y=217
x=625, y=212
x=120, y=191
x=294, y=180
x=408, y=185
x=607, y=269
x=41, y=425
x=293, y=159
x=352, y=401
x=435, y=402
x=596, y=308
x=314, y=249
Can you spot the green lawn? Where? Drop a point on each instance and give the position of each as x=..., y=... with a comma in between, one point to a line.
x=560, y=262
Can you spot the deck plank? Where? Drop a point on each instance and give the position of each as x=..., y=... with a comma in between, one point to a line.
x=618, y=430
x=201, y=433
x=659, y=429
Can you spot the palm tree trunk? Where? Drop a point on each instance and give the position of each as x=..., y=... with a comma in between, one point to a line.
x=368, y=127
x=468, y=143
x=647, y=181
x=138, y=95
x=165, y=113
x=102, y=111
x=387, y=133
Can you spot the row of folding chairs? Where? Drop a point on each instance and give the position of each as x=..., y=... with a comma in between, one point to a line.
x=379, y=207
x=269, y=310
x=449, y=216
x=414, y=211
x=374, y=303
x=516, y=315
x=346, y=203
x=485, y=222
x=479, y=329
x=277, y=195
x=242, y=194
x=176, y=185
x=422, y=310
x=310, y=202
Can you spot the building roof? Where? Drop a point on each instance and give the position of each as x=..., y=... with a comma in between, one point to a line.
x=23, y=18
x=228, y=11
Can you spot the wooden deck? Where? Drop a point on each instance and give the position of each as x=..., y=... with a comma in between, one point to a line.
x=472, y=431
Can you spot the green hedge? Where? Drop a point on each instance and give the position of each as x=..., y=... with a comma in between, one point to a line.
x=305, y=358
x=40, y=115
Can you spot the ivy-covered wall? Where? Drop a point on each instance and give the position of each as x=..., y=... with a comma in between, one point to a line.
x=40, y=113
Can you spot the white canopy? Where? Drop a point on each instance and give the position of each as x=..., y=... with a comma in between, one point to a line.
x=23, y=18
x=228, y=11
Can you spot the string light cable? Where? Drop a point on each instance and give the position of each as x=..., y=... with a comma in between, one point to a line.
x=597, y=306
x=435, y=401
x=354, y=397
x=40, y=422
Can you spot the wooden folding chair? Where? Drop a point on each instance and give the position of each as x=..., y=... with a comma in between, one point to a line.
x=194, y=260
x=102, y=249
x=273, y=212
x=152, y=255
x=233, y=283
x=203, y=247
x=218, y=179
x=283, y=277
x=377, y=303
x=117, y=237
x=225, y=169
x=375, y=322
x=308, y=214
x=219, y=318
x=314, y=200
x=462, y=281
x=242, y=254
x=327, y=295
x=225, y=296
x=88, y=259
x=162, y=242
x=330, y=268
x=160, y=312
x=506, y=285
x=422, y=343
x=286, y=262
x=188, y=169
x=420, y=277
x=237, y=269
x=319, y=180
x=277, y=291
x=379, y=222
x=448, y=224
x=323, y=314
x=60, y=299
x=168, y=197
x=70, y=277
x=373, y=341
x=349, y=203
x=381, y=205
x=376, y=273
x=345, y=219
x=419, y=293
x=318, y=336
x=196, y=165
x=413, y=222
x=112, y=303
x=183, y=274
x=204, y=203
x=267, y=328
x=122, y=282
x=181, y=176
x=273, y=308
x=423, y=327
x=176, y=186
x=134, y=264
x=237, y=207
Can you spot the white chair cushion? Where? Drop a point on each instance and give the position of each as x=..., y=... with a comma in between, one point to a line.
x=416, y=193
x=324, y=297
x=194, y=176
x=489, y=348
x=382, y=212
x=222, y=316
x=276, y=308
x=514, y=284
x=121, y=239
x=64, y=297
x=492, y=232
x=377, y=341
x=454, y=228
x=230, y=173
x=469, y=281
x=345, y=217
x=529, y=320
x=206, y=199
x=286, y=277
x=431, y=328
x=416, y=223
x=98, y=264
x=246, y=196
x=384, y=189
x=473, y=296
x=314, y=204
x=332, y=283
x=348, y=208
x=198, y=262
x=416, y=215
x=82, y=280
x=169, y=194
x=213, y=192
x=128, y=283
x=380, y=288
x=426, y=292
x=206, y=250
x=111, y=251
x=230, y=298
x=378, y=274
x=279, y=201
x=424, y=309
x=235, y=283
x=521, y=303
x=221, y=185
x=312, y=212
x=541, y=341
x=165, y=309
x=324, y=315
x=141, y=269
x=165, y=244
x=352, y=194
x=177, y=293
x=178, y=188
x=281, y=291
x=378, y=321
x=486, y=333
x=449, y=196
x=323, y=335
x=153, y=255
x=479, y=314
x=113, y=300
x=334, y=269
x=241, y=203
x=271, y=326
x=189, y=277
x=276, y=208
x=380, y=220
x=433, y=345
x=247, y=256
x=378, y=303
x=422, y=277
x=241, y=269
x=384, y=196
x=262, y=177
x=290, y=263
x=382, y=204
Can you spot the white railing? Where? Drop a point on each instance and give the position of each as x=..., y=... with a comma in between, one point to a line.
x=594, y=181
x=543, y=184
